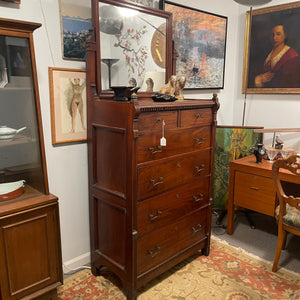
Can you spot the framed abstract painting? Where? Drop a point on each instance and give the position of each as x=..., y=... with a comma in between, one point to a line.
x=200, y=45
x=272, y=50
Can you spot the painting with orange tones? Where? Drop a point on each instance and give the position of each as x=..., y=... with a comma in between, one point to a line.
x=200, y=44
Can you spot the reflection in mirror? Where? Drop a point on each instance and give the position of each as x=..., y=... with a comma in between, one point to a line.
x=133, y=48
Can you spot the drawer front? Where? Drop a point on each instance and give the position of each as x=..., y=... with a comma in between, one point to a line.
x=159, y=245
x=178, y=141
x=163, y=209
x=255, y=192
x=196, y=117
x=152, y=121
x=160, y=177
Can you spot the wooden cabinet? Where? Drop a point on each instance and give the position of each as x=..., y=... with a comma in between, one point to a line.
x=251, y=186
x=30, y=250
x=30, y=259
x=150, y=205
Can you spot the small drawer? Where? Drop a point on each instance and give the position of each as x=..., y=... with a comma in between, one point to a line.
x=167, y=174
x=161, y=210
x=255, y=193
x=196, y=117
x=159, y=245
x=178, y=141
x=152, y=121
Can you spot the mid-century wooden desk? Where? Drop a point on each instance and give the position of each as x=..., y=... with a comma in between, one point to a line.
x=251, y=186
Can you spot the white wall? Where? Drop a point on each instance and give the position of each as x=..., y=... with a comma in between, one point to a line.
x=67, y=164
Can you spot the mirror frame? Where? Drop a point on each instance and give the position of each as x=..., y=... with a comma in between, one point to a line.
x=142, y=9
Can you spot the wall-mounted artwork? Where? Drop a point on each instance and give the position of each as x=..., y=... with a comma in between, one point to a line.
x=150, y=3
x=68, y=105
x=12, y=1
x=271, y=56
x=75, y=24
x=200, y=43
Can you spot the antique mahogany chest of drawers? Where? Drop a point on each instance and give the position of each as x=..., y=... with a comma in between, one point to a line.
x=150, y=205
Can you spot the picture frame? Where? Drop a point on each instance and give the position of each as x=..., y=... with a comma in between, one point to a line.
x=150, y=3
x=12, y=1
x=19, y=60
x=75, y=21
x=232, y=142
x=68, y=105
x=284, y=74
x=200, y=45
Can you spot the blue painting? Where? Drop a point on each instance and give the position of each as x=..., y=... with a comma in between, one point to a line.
x=75, y=24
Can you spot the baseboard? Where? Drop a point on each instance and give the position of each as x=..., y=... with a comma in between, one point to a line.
x=76, y=263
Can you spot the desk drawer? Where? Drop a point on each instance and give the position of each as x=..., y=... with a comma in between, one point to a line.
x=167, y=174
x=255, y=193
x=178, y=141
x=152, y=121
x=159, y=245
x=163, y=209
x=196, y=117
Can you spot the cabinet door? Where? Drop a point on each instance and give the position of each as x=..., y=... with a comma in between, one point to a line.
x=29, y=252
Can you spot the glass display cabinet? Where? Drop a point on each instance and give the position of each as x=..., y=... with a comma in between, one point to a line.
x=30, y=251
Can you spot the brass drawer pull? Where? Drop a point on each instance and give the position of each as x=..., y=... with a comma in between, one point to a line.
x=254, y=188
x=153, y=151
x=154, y=183
x=199, y=169
x=199, y=227
x=152, y=253
x=152, y=217
x=198, y=140
x=197, y=199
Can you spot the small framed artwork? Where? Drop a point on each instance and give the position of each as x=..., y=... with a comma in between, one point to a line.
x=150, y=3
x=200, y=44
x=272, y=49
x=76, y=20
x=20, y=61
x=12, y=1
x=68, y=105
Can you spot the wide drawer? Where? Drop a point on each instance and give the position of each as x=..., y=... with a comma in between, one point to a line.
x=196, y=117
x=163, y=209
x=165, y=175
x=152, y=121
x=178, y=141
x=255, y=193
x=164, y=243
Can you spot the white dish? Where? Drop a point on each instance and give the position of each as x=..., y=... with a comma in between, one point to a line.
x=7, y=133
x=10, y=187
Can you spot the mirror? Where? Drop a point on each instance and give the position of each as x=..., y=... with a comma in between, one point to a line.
x=135, y=46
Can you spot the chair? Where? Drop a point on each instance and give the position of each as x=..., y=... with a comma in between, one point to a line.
x=287, y=213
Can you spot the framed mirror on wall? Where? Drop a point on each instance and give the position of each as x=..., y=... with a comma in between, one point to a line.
x=134, y=44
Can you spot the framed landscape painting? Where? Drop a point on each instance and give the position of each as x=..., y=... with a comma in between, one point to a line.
x=68, y=105
x=76, y=20
x=272, y=50
x=200, y=44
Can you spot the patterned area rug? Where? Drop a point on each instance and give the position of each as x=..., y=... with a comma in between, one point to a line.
x=227, y=273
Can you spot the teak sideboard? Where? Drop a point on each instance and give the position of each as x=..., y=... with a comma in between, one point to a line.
x=150, y=205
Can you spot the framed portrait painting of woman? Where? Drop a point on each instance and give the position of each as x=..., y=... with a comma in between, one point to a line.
x=272, y=50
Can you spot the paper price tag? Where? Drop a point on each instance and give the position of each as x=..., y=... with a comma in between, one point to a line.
x=163, y=141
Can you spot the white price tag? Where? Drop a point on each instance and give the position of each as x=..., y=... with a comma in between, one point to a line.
x=163, y=142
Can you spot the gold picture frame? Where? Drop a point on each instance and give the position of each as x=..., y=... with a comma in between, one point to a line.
x=284, y=73
x=68, y=105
